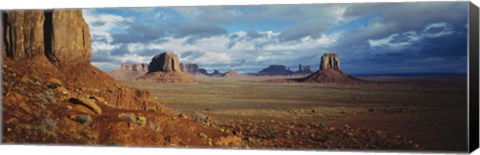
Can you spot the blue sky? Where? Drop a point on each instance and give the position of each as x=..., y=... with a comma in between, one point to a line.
x=370, y=38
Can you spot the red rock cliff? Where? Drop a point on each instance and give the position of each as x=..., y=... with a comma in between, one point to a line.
x=56, y=44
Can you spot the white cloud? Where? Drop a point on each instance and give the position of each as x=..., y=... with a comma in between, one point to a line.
x=103, y=22
x=401, y=40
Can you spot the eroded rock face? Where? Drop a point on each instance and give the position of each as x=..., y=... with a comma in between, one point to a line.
x=61, y=35
x=56, y=43
x=24, y=34
x=165, y=67
x=129, y=71
x=330, y=61
x=330, y=72
x=189, y=68
x=165, y=62
x=141, y=67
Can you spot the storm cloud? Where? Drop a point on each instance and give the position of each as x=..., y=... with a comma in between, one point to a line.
x=371, y=38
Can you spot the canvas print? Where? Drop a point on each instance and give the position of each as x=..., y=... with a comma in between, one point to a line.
x=353, y=76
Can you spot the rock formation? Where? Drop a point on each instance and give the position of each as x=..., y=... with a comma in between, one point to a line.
x=231, y=73
x=330, y=72
x=215, y=73
x=129, y=71
x=53, y=95
x=62, y=36
x=189, y=68
x=57, y=43
x=330, y=61
x=165, y=62
x=275, y=70
x=203, y=71
x=165, y=67
x=303, y=69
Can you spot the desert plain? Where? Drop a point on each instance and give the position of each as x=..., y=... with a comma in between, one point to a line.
x=428, y=110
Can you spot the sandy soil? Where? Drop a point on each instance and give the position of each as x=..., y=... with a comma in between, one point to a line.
x=429, y=111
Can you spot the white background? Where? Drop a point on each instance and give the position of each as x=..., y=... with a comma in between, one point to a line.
x=80, y=150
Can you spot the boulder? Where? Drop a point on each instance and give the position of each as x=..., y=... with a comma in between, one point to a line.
x=87, y=103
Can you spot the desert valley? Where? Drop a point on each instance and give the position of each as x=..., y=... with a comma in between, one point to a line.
x=51, y=94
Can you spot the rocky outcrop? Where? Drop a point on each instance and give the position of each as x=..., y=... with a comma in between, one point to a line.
x=56, y=43
x=165, y=62
x=165, y=67
x=129, y=71
x=231, y=73
x=275, y=70
x=215, y=73
x=23, y=34
x=203, y=71
x=330, y=72
x=330, y=61
x=189, y=68
x=63, y=36
x=141, y=67
x=303, y=69
x=69, y=41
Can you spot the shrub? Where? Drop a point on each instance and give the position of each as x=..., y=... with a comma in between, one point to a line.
x=142, y=121
x=49, y=96
x=47, y=125
x=128, y=116
x=152, y=109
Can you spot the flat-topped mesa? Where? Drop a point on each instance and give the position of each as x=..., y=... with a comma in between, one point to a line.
x=330, y=61
x=165, y=62
x=129, y=71
x=275, y=70
x=141, y=67
x=165, y=67
x=189, y=68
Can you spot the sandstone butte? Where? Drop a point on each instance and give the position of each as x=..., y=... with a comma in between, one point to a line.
x=330, y=72
x=53, y=95
x=165, y=67
x=231, y=73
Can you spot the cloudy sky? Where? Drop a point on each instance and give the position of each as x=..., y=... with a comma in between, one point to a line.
x=370, y=38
